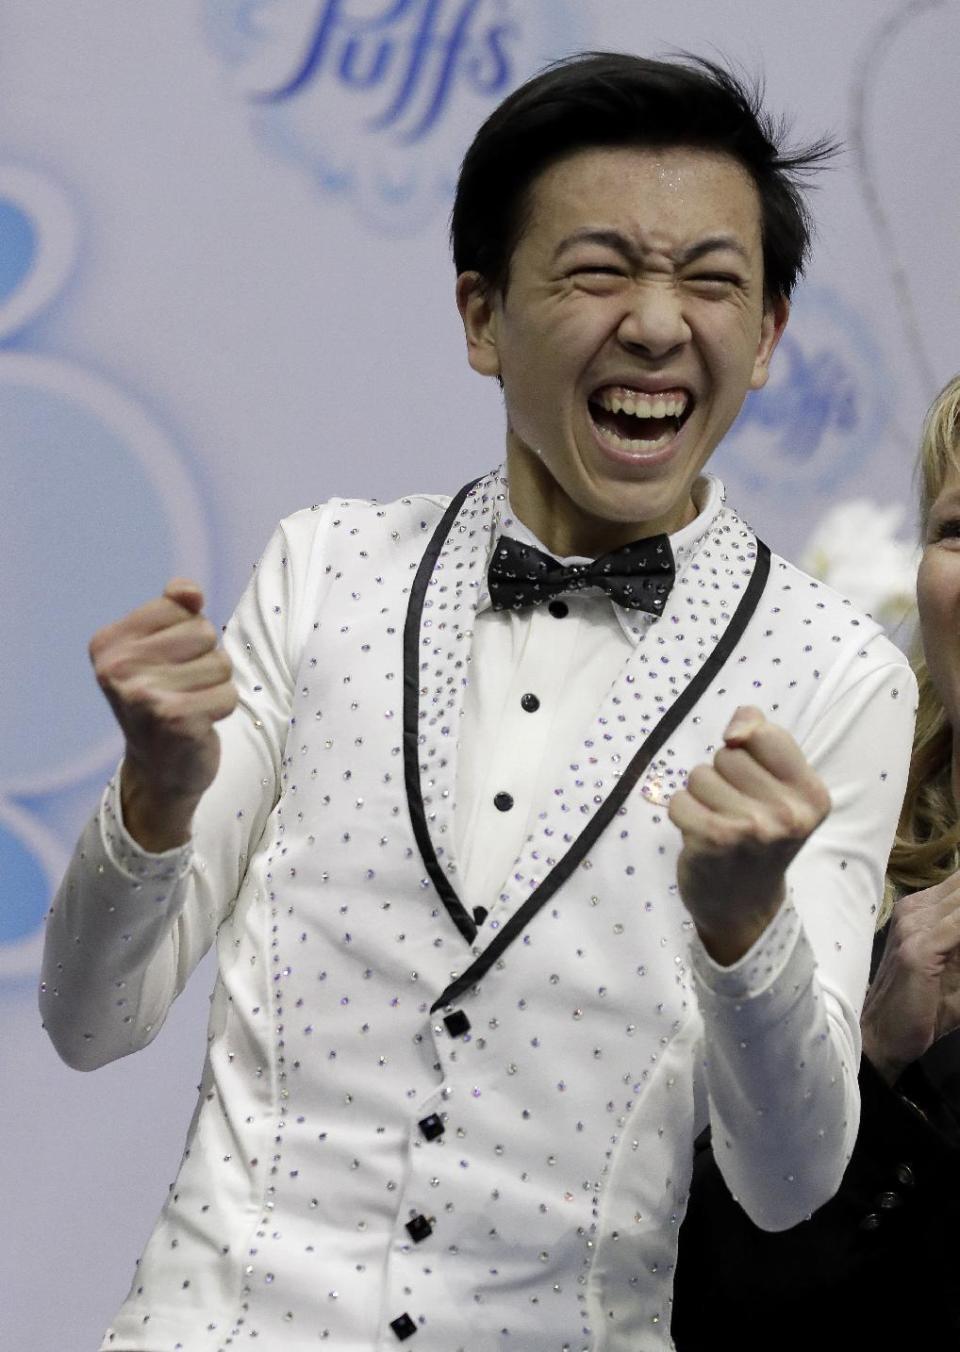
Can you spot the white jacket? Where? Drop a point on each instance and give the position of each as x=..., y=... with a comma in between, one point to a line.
x=544, y=1140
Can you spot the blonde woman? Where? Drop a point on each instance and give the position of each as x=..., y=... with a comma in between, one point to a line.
x=876, y=1265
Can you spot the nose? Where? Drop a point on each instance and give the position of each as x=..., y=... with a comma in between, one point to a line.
x=653, y=322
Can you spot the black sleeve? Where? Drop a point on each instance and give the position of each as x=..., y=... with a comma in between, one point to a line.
x=874, y=1263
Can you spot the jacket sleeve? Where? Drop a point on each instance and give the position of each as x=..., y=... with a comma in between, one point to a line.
x=127, y=928
x=896, y=1206
x=781, y=1040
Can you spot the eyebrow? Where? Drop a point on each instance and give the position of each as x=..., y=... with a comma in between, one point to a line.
x=613, y=239
x=714, y=244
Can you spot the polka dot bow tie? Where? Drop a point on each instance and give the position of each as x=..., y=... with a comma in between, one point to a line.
x=638, y=576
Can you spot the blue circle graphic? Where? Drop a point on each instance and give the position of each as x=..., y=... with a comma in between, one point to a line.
x=26, y=892
x=86, y=538
x=18, y=247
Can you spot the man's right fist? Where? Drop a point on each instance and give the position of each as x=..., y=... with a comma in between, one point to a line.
x=168, y=682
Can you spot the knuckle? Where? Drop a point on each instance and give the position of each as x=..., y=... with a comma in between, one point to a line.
x=224, y=665
x=204, y=631
x=794, y=820
x=728, y=758
x=723, y=835
x=768, y=833
x=229, y=700
x=899, y=931
x=791, y=822
x=907, y=908
x=912, y=951
x=762, y=827
x=678, y=807
x=820, y=801
x=113, y=669
x=142, y=694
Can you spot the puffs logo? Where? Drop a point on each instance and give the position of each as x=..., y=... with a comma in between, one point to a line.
x=824, y=413
x=377, y=99
x=410, y=57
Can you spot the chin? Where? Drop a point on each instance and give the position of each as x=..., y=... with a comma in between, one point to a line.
x=624, y=502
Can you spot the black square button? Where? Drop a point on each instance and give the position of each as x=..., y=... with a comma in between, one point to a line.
x=403, y=1326
x=419, y=1229
x=431, y=1126
x=457, y=1023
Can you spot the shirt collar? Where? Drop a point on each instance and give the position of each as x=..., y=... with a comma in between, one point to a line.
x=708, y=496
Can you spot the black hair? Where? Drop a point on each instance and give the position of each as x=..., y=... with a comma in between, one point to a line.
x=597, y=99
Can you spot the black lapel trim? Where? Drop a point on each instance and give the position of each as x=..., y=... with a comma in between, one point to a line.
x=460, y=916
x=677, y=712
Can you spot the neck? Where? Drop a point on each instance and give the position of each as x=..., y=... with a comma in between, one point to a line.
x=567, y=528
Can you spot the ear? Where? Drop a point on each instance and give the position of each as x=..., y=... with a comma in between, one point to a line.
x=775, y=315
x=478, y=311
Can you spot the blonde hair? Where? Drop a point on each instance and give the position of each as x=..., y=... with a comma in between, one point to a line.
x=927, y=845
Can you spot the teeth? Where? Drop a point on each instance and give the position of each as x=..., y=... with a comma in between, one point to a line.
x=642, y=406
x=637, y=445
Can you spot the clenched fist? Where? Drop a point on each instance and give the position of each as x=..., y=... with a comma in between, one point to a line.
x=743, y=820
x=168, y=682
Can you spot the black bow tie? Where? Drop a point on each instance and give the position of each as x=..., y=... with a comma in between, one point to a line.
x=638, y=576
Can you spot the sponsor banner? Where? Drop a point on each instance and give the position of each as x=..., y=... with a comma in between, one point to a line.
x=374, y=100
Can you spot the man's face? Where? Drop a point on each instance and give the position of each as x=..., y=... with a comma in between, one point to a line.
x=631, y=330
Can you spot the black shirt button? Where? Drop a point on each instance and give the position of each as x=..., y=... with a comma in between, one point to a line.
x=529, y=703
x=870, y=1222
x=457, y=1023
x=888, y=1200
x=905, y=1175
x=419, y=1229
x=558, y=609
x=503, y=802
x=403, y=1326
x=432, y=1126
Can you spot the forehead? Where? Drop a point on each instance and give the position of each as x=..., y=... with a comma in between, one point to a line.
x=660, y=198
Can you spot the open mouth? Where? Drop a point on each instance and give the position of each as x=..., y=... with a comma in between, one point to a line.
x=636, y=420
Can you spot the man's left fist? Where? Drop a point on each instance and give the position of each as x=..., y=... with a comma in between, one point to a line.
x=743, y=820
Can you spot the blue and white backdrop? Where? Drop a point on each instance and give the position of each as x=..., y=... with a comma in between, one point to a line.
x=225, y=292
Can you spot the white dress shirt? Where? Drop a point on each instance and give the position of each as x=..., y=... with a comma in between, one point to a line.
x=520, y=1084
x=566, y=657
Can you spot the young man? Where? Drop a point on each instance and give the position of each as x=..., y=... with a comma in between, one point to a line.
x=551, y=821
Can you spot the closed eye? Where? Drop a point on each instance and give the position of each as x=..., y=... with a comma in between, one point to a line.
x=947, y=529
x=716, y=279
x=604, y=269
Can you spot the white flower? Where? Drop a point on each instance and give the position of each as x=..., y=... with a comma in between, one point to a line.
x=856, y=550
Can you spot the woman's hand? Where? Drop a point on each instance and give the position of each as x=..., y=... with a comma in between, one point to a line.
x=915, y=996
